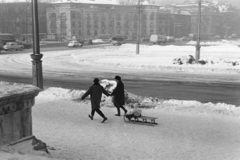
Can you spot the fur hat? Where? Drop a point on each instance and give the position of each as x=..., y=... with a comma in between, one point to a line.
x=118, y=78
x=96, y=80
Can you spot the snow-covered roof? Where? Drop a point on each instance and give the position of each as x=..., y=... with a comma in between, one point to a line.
x=189, y=5
x=89, y=1
x=221, y=6
x=185, y=12
x=113, y=2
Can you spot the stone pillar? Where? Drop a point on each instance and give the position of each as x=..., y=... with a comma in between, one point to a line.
x=16, y=102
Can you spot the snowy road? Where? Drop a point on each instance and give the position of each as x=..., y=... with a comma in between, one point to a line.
x=75, y=69
x=202, y=92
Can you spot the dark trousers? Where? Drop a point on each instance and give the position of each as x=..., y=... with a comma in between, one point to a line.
x=98, y=111
x=118, y=106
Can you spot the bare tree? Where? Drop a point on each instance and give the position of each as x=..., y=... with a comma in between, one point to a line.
x=25, y=18
x=25, y=15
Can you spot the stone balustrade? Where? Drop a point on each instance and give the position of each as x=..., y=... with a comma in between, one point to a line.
x=16, y=102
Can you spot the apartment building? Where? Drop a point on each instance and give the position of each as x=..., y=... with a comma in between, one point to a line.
x=84, y=20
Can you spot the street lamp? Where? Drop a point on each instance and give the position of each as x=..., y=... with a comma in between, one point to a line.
x=198, y=46
x=138, y=29
x=36, y=56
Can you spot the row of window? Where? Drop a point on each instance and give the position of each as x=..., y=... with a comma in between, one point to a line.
x=103, y=17
x=53, y=24
x=103, y=24
x=112, y=31
x=118, y=16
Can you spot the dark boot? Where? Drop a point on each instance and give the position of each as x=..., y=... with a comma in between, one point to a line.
x=91, y=117
x=104, y=119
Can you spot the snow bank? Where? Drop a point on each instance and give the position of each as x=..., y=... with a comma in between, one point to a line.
x=194, y=107
x=220, y=42
x=55, y=93
x=172, y=48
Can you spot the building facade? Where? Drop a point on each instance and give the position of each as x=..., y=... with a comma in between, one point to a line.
x=84, y=20
x=221, y=19
x=81, y=20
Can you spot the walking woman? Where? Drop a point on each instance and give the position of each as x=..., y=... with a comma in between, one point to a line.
x=119, y=96
x=95, y=92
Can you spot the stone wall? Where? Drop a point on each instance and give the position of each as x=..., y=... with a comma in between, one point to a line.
x=16, y=101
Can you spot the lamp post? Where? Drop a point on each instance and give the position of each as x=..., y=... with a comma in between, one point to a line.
x=138, y=28
x=198, y=46
x=36, y=56
x=227, y=28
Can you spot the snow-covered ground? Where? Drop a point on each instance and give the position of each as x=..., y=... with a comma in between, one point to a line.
x=222, y=58
x=186, y=129
x=219, y=42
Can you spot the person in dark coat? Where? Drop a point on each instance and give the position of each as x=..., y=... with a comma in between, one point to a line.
x=119, y=96
x=95, y=92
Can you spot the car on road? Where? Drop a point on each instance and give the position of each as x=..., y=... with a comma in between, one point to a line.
x=117, y=40
x=145, y=39
x=72, y=44
x=184, y=38
x=158, y=39
x=26, y=45
x=170, y=39
x=9, y=46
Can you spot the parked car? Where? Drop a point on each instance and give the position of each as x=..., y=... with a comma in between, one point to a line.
x=184, y=38
x=170, y=39
x=145, y=39
x=88, y=41
x=117, y=40
x=26, y=45
x=72, y=44
x=9, y=46
x=158, y=39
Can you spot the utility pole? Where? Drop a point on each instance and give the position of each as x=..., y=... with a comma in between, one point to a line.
x=138, y=29
x=198, y=46
x=83, y=23
x=36, y=56
x=60, y=20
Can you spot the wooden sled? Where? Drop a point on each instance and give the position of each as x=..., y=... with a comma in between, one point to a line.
x=145, y=120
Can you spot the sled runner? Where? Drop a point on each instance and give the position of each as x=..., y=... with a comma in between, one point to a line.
x=140, y=120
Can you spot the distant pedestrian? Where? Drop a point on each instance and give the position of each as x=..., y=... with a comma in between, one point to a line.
x=119, y=96
x=95, y=91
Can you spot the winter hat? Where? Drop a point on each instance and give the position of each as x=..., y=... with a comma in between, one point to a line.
x=118, y=78
x=96, y=80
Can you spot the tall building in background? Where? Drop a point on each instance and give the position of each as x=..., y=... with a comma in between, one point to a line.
x=89, y=20
x=218, y=18
x=65, y=19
